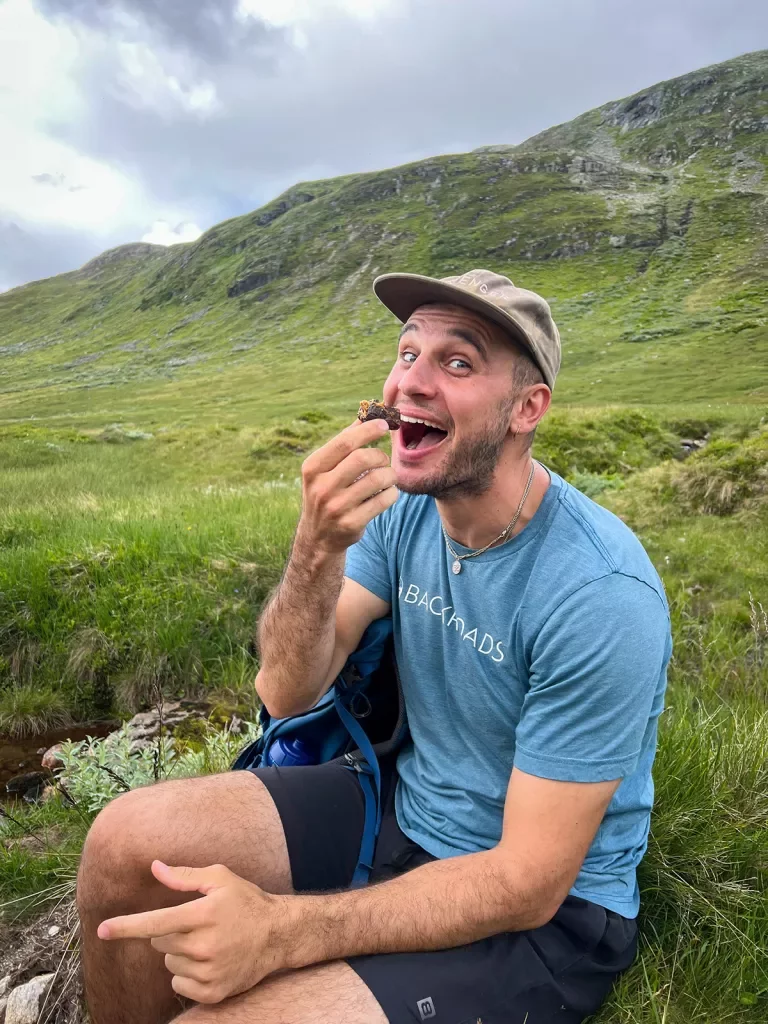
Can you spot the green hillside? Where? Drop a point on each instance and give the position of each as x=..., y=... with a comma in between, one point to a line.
x=644, y=222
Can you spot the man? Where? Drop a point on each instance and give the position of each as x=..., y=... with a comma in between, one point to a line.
x=532, y=637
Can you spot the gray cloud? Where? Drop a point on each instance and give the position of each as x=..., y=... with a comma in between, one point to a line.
x=49, y=179
x=210, y=28
x=432, y=78
x=447, y=77
x=56, y=181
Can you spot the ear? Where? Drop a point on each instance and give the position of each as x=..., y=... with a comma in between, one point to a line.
x=532, y=407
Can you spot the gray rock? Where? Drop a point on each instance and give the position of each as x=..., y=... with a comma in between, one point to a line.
x=29, y=785
x=3, y=1004
x=690, y=445
x=249, y=282
x=26, y=1001
x=144, y=728
x=5, y=985
x=52, y=757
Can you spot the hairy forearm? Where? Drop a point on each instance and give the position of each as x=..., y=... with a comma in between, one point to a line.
x=442, y=904
x=297, y=629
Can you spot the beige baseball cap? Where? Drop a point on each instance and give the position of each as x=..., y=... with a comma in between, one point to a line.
x=522, y=314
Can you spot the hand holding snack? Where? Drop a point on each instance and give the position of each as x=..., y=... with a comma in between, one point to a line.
x=344, y=486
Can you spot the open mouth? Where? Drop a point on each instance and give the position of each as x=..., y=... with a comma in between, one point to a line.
x=420, y=435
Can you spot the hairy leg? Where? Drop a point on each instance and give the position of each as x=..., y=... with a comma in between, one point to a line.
x=219, y=819
x=323, y=994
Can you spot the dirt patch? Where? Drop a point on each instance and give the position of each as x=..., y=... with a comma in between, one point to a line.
x=27, y=949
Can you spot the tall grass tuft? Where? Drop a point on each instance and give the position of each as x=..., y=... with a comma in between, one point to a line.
x=28, y=711
x=725, y=477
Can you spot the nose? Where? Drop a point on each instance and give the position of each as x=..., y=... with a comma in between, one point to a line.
x=419, y=379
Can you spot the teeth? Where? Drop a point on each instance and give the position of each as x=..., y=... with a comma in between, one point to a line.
x=412, y=419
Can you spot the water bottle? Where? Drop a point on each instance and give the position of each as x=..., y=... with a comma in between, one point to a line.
x=289, y=753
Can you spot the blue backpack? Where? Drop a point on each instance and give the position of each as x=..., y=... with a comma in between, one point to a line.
x=359, y=720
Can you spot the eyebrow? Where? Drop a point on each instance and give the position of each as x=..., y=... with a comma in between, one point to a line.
x=455, y=332
x=470, y=338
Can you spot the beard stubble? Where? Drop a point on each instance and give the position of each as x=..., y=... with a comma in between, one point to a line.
x=470, y=468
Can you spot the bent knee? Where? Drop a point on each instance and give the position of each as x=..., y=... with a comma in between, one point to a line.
x=120, y=846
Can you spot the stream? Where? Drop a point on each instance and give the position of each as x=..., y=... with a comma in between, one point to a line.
x=18, y=756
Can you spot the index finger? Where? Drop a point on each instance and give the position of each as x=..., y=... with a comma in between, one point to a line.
x=338, y=448
x=152, y=923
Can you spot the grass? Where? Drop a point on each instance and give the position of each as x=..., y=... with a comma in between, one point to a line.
x=27, y=710
x=704, y=918
x=135, y=565
x=128, y=566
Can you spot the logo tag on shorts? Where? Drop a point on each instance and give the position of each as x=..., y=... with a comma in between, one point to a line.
x=426, y=1008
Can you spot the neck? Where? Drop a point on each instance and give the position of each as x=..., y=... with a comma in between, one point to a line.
x=476, y=520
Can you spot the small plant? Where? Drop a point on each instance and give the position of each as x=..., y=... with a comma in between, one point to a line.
x=758, y=619
x=96, y=771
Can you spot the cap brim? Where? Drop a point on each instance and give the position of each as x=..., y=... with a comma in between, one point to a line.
x=402, y=294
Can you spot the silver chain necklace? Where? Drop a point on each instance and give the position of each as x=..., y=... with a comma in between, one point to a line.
x=458, y=559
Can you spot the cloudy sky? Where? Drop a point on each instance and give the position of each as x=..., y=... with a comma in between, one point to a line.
x=123, y=120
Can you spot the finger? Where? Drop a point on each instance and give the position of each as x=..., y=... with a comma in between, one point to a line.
x=373, y=482
x=180, y=944
x=358, y=462
x=354, y=436
x=373, y=507
x=184, y=879
x=183, y=967
x=193, y=990
x=153, y=923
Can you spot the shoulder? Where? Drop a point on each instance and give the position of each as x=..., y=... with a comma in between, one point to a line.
x=588, y=544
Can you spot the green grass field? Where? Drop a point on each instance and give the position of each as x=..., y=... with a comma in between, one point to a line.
x=128, y=565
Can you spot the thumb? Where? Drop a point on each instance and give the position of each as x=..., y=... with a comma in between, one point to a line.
x=184, y=879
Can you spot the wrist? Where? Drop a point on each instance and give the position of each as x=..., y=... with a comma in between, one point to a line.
x=310, y=558
x=306, y=932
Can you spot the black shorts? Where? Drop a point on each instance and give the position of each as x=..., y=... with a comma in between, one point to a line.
x=560, y=972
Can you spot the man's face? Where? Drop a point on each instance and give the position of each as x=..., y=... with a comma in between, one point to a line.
x=455, y=370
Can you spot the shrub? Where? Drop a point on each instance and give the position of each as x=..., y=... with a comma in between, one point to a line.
x=607, y=443
x=96, y=771
x=593, y=484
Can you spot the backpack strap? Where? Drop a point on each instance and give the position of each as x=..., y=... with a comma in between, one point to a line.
x=369, y=777
x=368, y=844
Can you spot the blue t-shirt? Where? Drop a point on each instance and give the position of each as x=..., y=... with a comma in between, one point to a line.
x=548, y=653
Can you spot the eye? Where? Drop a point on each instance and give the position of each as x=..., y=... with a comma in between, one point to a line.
x=463, y=361
x=405, y=356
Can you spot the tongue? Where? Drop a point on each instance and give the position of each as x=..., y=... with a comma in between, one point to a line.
x=430, y=437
